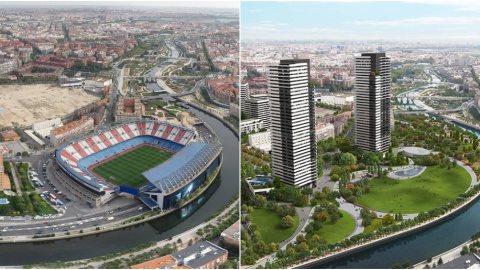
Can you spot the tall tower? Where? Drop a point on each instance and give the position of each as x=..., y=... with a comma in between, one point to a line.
x=372, y=102
x=292, y=123
x=244, y=92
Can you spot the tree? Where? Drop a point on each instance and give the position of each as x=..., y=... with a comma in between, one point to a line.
x=301, y=200
x=334, y=218
x=335, y=177
x=302, y=247
x=258, y=201
x=287, y=222
x=277, y=183
x=387, y=220
x=336, y=170
x=322, y=216
x=440, y=261
x=327, y=158
x=260, y=248
x=301, y=238
x=347, y=159
x=332, y=209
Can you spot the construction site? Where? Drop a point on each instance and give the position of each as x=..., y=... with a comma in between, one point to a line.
x=26, y=104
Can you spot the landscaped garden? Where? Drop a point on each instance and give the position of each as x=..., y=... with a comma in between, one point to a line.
x=435, y=187
x=269, y=225
x=334, y=232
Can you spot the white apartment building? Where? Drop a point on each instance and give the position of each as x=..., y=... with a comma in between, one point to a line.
x=337, y=99
x=324, y=131
x=43, y=128
x=249, y=125
x=244, y=92
x=261, y=140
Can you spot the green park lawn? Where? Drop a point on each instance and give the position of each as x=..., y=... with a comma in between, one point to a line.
x=268, y=223
x=433, y=188
x=127, y=169
x=335, y=232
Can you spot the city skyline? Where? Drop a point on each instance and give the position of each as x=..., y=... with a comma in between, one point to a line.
x=122, y=4
x=420, y=22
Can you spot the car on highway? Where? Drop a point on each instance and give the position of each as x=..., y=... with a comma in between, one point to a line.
x=45, y=222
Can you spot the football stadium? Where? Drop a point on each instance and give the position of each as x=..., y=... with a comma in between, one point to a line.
x=157, y=162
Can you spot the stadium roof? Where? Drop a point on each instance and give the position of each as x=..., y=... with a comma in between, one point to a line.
x=181, y=168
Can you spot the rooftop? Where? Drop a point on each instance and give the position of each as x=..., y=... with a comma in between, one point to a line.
x=161, y=262
x=232, y=231
x=70, y=126
x=171, y=174
x=199, y=254
x=8, y=134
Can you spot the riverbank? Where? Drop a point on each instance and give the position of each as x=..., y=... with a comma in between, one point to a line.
x=446, y=256
x=226, y=123
x=180, y=241
x=331, y=256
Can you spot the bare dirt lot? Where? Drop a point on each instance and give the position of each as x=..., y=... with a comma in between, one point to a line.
x=26, y=104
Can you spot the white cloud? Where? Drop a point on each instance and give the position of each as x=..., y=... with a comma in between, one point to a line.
x=424, y=21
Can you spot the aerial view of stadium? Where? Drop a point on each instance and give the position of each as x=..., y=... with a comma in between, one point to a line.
x=158, y=162
x=119, y=135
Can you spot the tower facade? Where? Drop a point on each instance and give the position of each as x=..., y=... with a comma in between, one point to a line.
x=373, y=85
x=244, y=92
x=258, y=106
x=292, y=123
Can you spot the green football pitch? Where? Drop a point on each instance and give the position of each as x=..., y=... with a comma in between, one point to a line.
x=127, y=168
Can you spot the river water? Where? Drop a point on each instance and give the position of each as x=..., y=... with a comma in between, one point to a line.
x=219, y=194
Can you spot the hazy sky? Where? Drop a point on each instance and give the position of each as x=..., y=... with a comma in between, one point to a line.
x=458, y=22
x=205, y=4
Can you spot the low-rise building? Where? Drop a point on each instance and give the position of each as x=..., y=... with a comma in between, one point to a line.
x=128, y=109
x=261, y=140
x=43, y=128
x=231, y=235
x=8, y=135
x=324, y=131
x=5, y=183
x=234, y=109
x=337, y=99
x=71, y=131
x=65, y=81
x=203, y=255
x=98, y=85
x=249, y=125
x=223, y=89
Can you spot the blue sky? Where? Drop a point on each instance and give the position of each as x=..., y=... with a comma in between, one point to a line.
x=399, y=21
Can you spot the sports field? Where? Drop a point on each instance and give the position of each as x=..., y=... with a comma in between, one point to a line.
x=433, y=188
x=127, y=169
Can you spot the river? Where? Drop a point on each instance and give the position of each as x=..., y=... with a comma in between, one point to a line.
x=218, y=195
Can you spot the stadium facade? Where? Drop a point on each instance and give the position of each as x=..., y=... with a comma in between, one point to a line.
x=196, y=157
